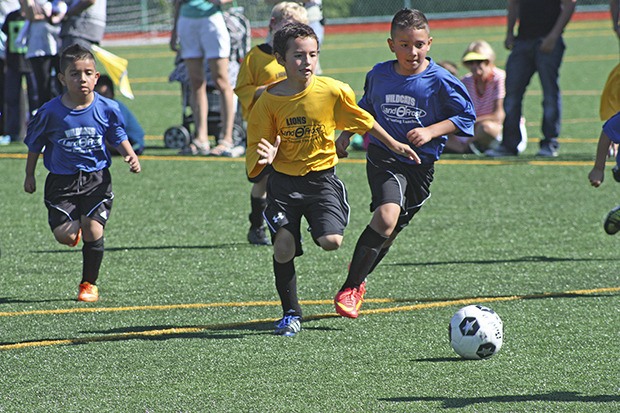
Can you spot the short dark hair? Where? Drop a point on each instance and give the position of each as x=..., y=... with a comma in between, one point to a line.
x=105, y=81
x=72, y=54
x=409, y=19
x=288, y=32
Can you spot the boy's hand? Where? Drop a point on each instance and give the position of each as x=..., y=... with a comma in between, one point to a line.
x=134, y=163
x=267, y=151
x=419, y=136
x=596, y=177
x=342, y=143
x=30, y=184
x=406, y=151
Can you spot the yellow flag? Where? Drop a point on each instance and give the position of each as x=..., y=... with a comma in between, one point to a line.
x=116, y=67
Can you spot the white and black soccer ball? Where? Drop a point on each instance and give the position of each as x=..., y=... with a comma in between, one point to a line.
x=476, y=332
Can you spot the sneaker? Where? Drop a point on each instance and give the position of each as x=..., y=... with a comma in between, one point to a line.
x=77, y=238
x=616, y=172
x=288, y=326
x=258, y=236
x=88, y=292
x=612, y=222
x=349, y=301
x=547, y=151
x=499, y=152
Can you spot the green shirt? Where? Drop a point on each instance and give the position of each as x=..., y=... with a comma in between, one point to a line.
x=196, y=9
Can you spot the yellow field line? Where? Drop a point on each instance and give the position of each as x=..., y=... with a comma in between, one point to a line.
x=198, y=329
x=472, y=161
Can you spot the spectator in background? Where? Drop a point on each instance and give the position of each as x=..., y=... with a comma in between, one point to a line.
x=538, y=47
x=84, y=23
x=315, y=20
x=6, y=7
x=200, y=33
x=485, y=84
x=135, y=133
x=17, y=67
x=614, y=9
x=43, y=43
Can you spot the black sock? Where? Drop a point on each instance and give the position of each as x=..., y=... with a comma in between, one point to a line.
x=286, y=284
x=92, y=255
x=258, y=206
x=382, y=254
x=365, y=255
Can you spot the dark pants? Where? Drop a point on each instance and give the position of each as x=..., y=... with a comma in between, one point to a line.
x=16, y=111
x=524, y=60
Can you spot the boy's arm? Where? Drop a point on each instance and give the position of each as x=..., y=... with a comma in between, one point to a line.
x=420, y=136
x=513, y=14
x=342, y=143
x=129, y=156
x=268, y=151
x=30, y=183
x=597, y=174
x=614, y=9
x=397, y=147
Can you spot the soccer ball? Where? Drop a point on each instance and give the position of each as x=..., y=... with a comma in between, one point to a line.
x=476, y=332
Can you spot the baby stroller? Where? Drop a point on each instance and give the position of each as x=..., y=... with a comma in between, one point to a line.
x=178, y=137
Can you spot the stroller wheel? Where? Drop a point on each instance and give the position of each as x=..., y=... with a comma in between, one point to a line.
x=176, y=137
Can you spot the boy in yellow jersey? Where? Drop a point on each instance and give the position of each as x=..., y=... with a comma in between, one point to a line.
x=292, y=128
x=258, y=70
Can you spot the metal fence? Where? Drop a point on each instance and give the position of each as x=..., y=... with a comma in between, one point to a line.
x=156, y=15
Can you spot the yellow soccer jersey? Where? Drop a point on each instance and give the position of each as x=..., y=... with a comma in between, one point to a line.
x=259, y=68
x=306, y=123
x=610, y=99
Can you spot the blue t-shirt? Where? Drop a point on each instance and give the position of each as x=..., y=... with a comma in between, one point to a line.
x=75, y=140
x=612, y=128
x=401, y=103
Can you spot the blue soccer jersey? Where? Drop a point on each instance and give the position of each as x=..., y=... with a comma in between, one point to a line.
x=401, y=103
x=76, y=140
x=612, y=128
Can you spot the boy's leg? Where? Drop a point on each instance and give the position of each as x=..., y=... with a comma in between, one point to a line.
x=258, y=203
x=286, y=283
x=92, y=249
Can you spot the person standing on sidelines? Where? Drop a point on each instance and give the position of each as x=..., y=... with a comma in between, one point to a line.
x=74, y=129
x=199, y=33
x=84, y=23
x=537, y=48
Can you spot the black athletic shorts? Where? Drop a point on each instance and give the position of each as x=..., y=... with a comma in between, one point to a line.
x=68, y=197
x=266, y=171
x=393, y=181
x=320, y=197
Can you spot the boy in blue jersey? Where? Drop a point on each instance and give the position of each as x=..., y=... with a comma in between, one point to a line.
x=75, y=129
x=419, y=103
x=610, y=134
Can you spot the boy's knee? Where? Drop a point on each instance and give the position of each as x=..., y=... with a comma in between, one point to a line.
x=66, y=237
x=330, y=242
x=284, y=246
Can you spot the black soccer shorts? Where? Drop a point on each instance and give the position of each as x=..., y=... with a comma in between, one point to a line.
x=320, y=197
x=68, y=197
x=393, y=181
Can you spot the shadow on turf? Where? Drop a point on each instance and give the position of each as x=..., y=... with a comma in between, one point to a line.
x=155, y=248
x=460, y=402
x=21, y=301
x=535, y=258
